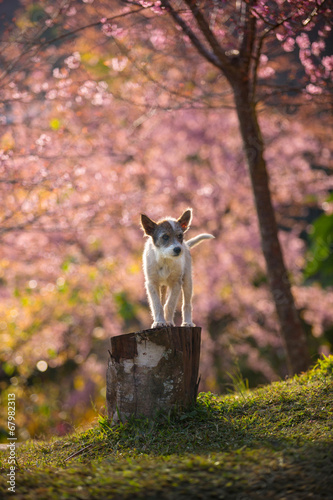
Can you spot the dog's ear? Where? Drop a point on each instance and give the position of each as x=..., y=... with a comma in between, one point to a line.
x=148, y=225
x=185, y=219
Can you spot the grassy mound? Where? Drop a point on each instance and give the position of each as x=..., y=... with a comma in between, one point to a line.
x=274, y=442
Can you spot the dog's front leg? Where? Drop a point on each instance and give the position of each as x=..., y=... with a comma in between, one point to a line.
x=171, y=303
x=155, y=305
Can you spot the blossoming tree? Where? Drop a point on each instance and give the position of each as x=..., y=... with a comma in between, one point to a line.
x=234, y=37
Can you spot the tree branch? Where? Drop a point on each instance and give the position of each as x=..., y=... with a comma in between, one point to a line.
x=225, y=63
x=91, y=25
x=267, y=31
x=209, y=56
x=246, y=48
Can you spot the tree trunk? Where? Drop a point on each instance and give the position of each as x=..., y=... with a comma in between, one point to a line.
x=152, y=370
x=291, y=328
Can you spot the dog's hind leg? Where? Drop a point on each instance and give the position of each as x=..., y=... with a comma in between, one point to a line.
x=171, y=303
x=163, y=294
x=187, y=300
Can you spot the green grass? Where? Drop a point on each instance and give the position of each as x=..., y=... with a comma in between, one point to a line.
x=275, y=442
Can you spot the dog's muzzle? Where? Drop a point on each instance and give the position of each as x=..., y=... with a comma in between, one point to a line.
x=177, y=250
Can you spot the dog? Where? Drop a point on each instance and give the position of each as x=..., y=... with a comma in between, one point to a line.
x=167, y=267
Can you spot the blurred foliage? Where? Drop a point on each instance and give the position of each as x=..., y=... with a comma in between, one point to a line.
x=319, y=266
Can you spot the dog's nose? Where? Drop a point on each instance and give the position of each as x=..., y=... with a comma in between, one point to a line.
x=177, y=250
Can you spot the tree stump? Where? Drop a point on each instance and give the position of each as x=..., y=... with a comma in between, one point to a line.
x=152, y=370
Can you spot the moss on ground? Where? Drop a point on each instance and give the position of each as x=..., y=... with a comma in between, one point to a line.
x=274, y=442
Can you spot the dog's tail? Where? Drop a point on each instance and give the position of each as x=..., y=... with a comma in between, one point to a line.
x=198, y=239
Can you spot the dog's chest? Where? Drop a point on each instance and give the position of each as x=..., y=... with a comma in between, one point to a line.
x=168, y=272
x=164, y=271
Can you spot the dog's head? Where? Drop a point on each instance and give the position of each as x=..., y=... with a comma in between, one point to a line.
x=168, y=234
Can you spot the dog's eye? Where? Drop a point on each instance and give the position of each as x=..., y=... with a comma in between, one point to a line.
x=180, y=237
x=165, y=237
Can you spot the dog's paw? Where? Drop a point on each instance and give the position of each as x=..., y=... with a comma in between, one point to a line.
x=159, y=324
x=188, y=324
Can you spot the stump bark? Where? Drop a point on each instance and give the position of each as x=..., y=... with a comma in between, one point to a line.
x=152, y=370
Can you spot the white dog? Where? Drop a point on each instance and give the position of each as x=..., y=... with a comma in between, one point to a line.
x=167, y=264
